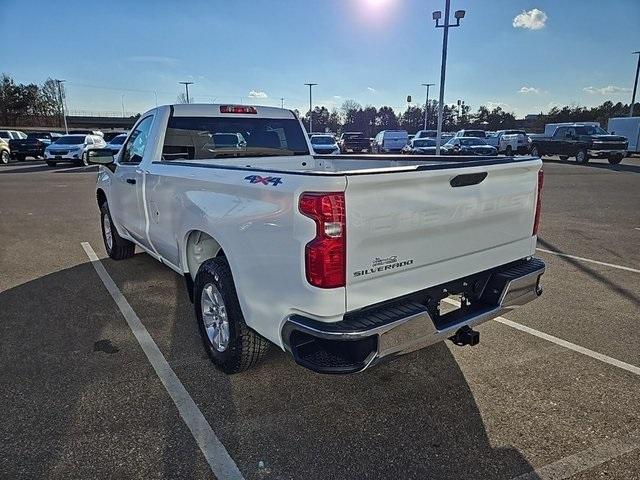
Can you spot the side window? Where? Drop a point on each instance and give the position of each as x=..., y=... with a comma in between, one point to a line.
x=133, y=150
x=560, y=132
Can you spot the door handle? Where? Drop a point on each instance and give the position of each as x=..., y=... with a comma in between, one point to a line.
x=132, y=181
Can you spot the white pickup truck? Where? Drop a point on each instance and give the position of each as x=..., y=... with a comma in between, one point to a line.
x=340, y=260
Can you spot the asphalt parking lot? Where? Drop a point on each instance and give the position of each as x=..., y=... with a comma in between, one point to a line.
x=80, y=399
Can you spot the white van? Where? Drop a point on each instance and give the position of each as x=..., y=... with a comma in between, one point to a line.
x=390, y=141
x=627, y=127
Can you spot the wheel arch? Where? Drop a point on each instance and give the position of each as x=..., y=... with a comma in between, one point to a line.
x=199, y=246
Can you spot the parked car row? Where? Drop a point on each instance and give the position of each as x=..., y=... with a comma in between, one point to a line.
x=56, y=147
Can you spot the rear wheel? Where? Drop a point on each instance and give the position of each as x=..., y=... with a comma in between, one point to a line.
x=563, y=157
x=51, y=164
x=20, y=157
x=509, y=151
x=231, y=345
x=5, y=157
x=117, y=247
x=582, y=157
x=615, y=159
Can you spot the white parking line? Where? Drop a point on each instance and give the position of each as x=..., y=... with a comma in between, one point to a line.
x=563, y=343
x=612, y=265
x=221, y=463
x=573, y=464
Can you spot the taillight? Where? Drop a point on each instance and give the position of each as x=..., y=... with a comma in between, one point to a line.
x=325, y=255
x=237, y=109
x=536, y=221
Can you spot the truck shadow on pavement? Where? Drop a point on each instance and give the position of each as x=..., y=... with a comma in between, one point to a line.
x=414, y=417
x=82, y=401
x=606, y=282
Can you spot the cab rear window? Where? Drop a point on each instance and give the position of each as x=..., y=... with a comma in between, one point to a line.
x=193, y=138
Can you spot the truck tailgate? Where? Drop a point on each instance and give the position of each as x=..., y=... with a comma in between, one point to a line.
x=411, y=230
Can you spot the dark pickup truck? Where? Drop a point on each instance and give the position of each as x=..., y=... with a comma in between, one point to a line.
x=582, y=142
x=354, y=142
x=32, y=146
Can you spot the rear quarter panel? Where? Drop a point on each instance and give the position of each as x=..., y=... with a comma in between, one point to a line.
x=260, y=230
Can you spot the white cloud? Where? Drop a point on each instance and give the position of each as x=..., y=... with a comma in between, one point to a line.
x=337, y=97
x=533, y=19
x=257, y=94
x=491, y=105
x=608, y=90
x=527, y=90
x=371, y=89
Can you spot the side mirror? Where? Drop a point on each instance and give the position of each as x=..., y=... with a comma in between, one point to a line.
x=100, y=156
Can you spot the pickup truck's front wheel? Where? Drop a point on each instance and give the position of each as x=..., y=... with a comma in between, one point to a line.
x=229, y=342
x=117, y=247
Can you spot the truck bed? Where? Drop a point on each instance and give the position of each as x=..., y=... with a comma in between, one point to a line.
x=348, y=164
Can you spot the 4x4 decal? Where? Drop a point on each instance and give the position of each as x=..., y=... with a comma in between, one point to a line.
x=275, y=181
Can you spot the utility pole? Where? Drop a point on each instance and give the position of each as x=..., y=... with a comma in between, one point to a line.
x=635, y=85
x=186, y=89
x=437, y=15
x=281, y=102
x=62, y=103
x=426, y=104
x=310, y=85
x=122, y=100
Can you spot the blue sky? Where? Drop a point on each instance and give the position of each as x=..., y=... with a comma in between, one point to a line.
x=373, y=51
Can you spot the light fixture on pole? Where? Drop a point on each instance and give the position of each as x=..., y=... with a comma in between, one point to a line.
x=62, y=103
x=426, y=104
x=635, y=86
x=459, y=15
x=310, y=85
x=186, y=88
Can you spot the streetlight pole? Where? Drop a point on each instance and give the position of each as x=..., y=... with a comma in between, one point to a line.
x=62, y=103
x=310, y=85
x=281, y=102
x=437, y=15
x=635, y=85
x=122, y=100
x=186, y=89
x=426, y=104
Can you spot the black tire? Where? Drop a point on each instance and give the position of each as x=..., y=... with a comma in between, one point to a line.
x=20, y=157
x=535, y=152
x=119, y=248
x=508, y=151
x=582, y=157
x=615, y=159
x=5, y=157
x=51, y=164
x=563, y=157
x=244, y=347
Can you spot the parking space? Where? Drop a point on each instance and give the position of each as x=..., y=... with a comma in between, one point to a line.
x=81, y=399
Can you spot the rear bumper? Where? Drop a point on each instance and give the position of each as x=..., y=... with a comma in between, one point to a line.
x=606, y=153
x=394, y=328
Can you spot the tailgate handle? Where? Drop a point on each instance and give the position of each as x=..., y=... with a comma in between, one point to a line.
x=468, y=179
